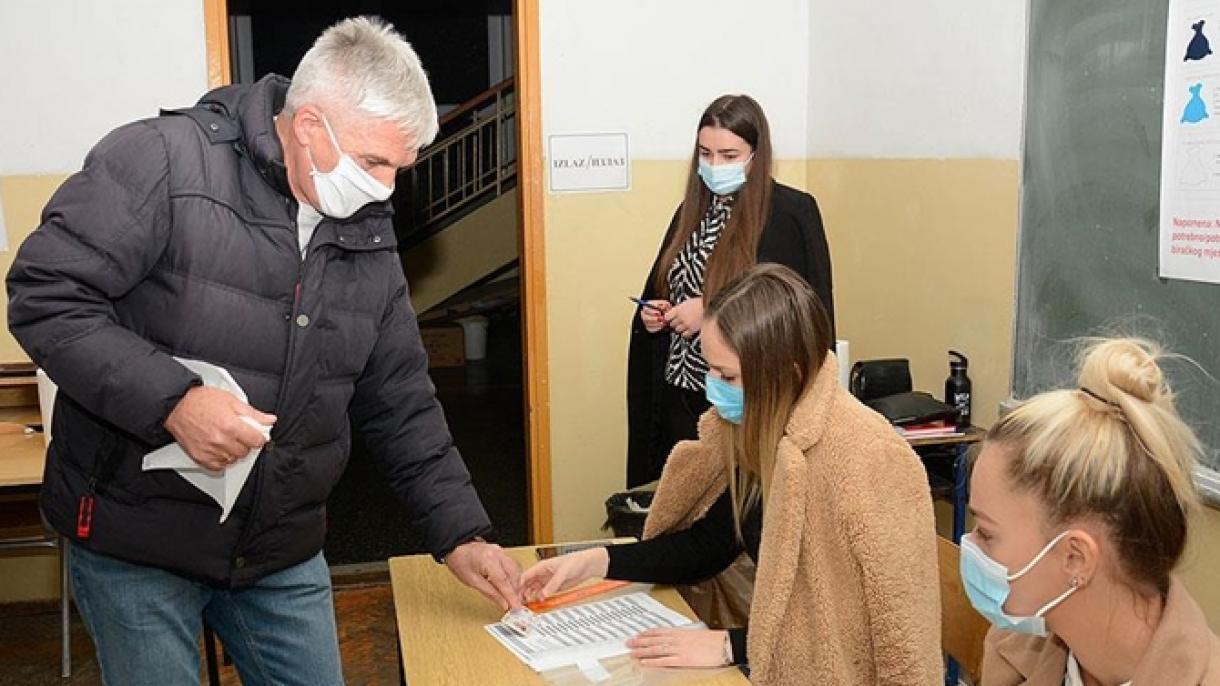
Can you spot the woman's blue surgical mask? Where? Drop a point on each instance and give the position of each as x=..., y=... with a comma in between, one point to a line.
x=987, y=586
x=723, y=179
x=729, y=400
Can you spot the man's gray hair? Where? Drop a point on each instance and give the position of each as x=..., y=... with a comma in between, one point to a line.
x=364, y=63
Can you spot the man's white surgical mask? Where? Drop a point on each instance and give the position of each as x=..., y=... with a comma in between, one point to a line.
x=346, y=188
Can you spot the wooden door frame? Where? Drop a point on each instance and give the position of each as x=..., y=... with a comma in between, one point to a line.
x=532, y=246
x=533, y=270
x=216, y=38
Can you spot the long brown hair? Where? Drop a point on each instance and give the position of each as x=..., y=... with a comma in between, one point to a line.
x=1114, y=448
x=780, y=332
x=737, y=248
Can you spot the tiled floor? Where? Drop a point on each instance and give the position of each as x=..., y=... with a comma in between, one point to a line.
x=29, y=643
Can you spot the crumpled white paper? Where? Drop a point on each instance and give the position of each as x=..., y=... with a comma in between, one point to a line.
x=222, y=486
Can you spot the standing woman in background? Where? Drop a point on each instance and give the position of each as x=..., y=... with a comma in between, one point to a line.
x=733, y=216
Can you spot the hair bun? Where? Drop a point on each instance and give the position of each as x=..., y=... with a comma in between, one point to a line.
x=1123, y=365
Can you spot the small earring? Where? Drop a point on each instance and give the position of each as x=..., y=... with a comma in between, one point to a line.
x=1076, y=583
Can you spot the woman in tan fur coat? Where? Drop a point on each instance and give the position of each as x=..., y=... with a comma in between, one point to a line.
x=820, y=491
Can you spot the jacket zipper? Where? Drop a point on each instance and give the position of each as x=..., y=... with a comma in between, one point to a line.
x=283, y=392
x=87, y=501
x=289, y=357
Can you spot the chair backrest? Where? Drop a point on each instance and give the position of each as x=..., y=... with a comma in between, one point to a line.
x=962, y=629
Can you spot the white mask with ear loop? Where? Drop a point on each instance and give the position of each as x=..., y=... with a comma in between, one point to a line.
x=346, y=188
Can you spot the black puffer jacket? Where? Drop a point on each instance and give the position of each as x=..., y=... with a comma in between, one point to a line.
x=179, y=238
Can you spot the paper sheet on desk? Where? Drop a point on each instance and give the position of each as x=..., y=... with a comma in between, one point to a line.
x=223, y=486
x=583, y=634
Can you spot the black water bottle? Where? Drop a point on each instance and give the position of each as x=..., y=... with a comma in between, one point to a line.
x=957, y=388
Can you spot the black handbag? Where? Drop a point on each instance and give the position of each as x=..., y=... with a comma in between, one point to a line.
x=878, y=378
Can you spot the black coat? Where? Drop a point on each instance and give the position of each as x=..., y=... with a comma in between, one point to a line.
x=793, y=236
x=179, y=238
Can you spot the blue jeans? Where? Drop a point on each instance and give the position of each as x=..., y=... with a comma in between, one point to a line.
x=146, y=623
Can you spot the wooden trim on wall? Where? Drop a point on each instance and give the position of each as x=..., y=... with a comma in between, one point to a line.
x=533, y=272
x=216, y=32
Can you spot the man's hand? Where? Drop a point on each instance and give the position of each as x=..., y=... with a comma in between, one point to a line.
x=208, y=424
x=486, y=568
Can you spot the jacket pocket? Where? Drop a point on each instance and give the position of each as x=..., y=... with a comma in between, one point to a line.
x=306, y=478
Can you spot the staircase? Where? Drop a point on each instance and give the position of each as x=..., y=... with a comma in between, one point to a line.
x=456, y=210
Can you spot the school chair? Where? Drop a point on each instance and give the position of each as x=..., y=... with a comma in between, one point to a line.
x=962, y=630
x=22, y=532
x=209, y=653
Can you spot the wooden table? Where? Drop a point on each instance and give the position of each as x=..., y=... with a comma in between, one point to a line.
x=22, y=456
x=961, y=471
x=442, y=640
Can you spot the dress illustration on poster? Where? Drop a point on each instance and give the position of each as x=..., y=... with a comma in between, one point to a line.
x=1199, y=46
x=1191, y=170
x=1196, y=109
x=1189, y=226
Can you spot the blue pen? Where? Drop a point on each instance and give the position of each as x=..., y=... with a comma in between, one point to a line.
x=645, y=303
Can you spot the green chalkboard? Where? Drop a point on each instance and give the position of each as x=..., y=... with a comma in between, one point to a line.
x=1090, y=202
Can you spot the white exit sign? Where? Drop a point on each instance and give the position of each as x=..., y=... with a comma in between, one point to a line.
x=588, y=162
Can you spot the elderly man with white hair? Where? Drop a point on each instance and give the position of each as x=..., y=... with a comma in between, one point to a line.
x=251, y=232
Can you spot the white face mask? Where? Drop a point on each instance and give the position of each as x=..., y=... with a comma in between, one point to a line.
x=346, y=188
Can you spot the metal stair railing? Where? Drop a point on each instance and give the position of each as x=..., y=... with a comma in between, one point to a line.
x=473, y=161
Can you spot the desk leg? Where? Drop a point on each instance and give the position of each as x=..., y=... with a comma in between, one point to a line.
x=65, y=616
x=209, y=654
x=961, y=498
x=961, y=491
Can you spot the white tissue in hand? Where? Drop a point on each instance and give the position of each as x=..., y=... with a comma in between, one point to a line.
x=222, y=486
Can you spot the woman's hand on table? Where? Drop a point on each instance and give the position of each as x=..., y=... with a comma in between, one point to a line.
x=549, y=577
x=680, y=648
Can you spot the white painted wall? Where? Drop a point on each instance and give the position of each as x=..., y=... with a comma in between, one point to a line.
x=923, y=78
x=72, y=70
x=650, y=68
x=886, y=78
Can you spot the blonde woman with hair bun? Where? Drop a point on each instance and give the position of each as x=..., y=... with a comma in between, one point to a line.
x=1082, y=498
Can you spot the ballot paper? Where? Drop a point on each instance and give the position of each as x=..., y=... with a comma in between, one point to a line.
x=583, y=634
x=221, y=486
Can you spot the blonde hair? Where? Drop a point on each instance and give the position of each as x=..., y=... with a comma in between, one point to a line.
x=1113, y=448
x=780, y=332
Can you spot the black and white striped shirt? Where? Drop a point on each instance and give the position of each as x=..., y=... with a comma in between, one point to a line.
x=686, y=367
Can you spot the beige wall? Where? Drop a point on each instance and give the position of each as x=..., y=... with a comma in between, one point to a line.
x=924, y=256
x=22, y=198
x=1200, y=569
x=896, y=229
x=473, y=247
